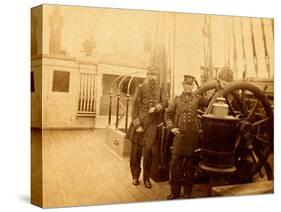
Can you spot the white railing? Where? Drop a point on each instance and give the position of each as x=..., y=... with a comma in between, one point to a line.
x=86, y=104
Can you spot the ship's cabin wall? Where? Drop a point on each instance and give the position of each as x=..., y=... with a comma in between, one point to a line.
x=60, y=83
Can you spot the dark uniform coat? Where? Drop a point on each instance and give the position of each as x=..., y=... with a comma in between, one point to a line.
x=182, y=114
x=147, y=95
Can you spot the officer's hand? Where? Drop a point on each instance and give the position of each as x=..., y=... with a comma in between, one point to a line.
x=175, y=131
x=152, y=110
x=139, y=129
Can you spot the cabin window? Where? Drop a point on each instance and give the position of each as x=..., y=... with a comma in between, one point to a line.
x=61, y=81
x=32, y=87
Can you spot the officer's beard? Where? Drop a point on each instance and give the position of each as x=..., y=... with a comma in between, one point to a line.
x=188, y=91
x=152, y=81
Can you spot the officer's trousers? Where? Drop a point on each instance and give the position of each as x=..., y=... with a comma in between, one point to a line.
x=137, y=151
x=182, y=173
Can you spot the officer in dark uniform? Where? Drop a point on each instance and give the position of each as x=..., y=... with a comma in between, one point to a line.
x=149, y=101
x=181, y=118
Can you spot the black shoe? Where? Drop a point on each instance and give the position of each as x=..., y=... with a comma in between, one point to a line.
x=135, y=182
x=186, y=196
x=172, y=196
x=147, y=184
x=187, y=190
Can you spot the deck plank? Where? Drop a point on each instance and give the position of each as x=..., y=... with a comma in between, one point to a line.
x=79, y=169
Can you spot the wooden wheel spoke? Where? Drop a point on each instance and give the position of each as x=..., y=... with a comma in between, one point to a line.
x=259, y=122
x=232, y=110
x=244, y=103
x=263, y=162
x=253, y=110
x=262, y=140
x=241, y=101
x=243, y=97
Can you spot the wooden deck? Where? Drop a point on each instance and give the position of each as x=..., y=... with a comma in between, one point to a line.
x=260, y=187
x=79, y=169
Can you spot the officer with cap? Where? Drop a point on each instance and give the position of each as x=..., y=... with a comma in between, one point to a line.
x=149, y=101
x=181, y=119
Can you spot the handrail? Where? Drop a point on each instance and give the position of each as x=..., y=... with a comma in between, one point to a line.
x=121, y=79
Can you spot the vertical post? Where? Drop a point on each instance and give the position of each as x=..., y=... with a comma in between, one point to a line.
x=234, y=49
x=174, y=55
x=85, y=84
x=128, y=99
x=228, y=42
x=265, y=48
x=225, y=41
x=88, y=93
x=272, y=28
x=127, y=112
x=254, y=47
x=210, y=49
x=244, y=50
x=92, y=93
x=98, y=92
x=117, y=109
x=83, y=92
x=80, y=94
x=205, y=48
x=110, y=106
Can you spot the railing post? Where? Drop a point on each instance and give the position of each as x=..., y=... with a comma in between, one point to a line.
x=110, y=107
x=117, y=109
x=127, y=112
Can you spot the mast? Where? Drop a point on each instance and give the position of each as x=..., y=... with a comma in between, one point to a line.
x=272, y=27
x=211, y=74
x=254, y=47
x=234, y=49
x=225, y=41
x=265, y=48
x=205, y=34
x=244, y=51
x=228, y=42
x=174, y=55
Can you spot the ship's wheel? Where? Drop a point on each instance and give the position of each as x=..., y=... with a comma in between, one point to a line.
x=254, y=150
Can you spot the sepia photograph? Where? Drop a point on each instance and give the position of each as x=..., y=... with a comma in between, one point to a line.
x=138, y=106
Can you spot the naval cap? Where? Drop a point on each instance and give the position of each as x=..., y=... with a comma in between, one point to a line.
x=152, y=70
x=188, y=79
